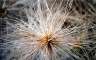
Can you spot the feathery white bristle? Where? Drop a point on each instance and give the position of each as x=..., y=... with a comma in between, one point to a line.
x=42, y=36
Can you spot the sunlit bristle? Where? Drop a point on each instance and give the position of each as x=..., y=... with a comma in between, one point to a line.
x=44, y=40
